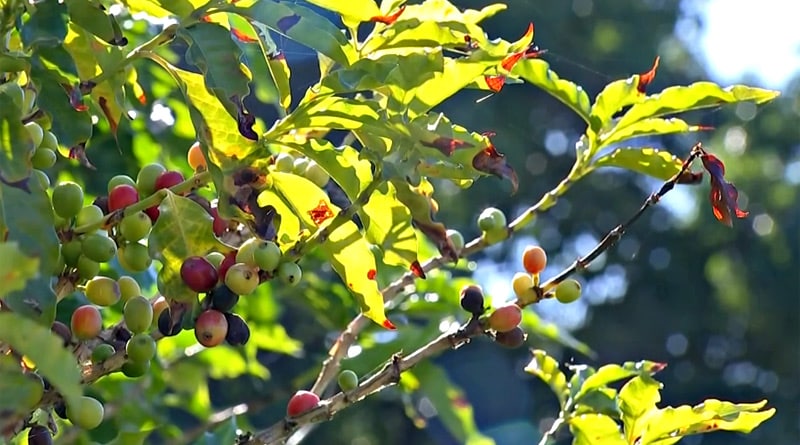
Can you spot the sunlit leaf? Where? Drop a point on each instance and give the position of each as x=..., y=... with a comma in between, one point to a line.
x=611, y=373
x=163, y=8
x=546, y=368
x=647, y=127
x=592, y=429
x=16, y=268
x=650, y=161
x=93, y=18
x=636, y=398
x=418, y=199
x=354, y=10
x=537, y=72
x=387, y=223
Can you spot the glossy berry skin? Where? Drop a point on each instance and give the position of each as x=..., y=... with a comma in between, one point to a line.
x=316, y=174
x=284, y=162
x=39, y=435
x=223, y=298
x=128, y=288
x=348, y=380
x=219, y=225
x=456, y=239
x=301, y=402
x=89, y=215
x=491, y=220
x=98, y=247
x=196, y=158
x=247, y=251
x=472, y=299
x=511, y=339
x=228, y=261
x=267, y=256
x=199, y=274
x=87, y=268
x=290, y=273
x=168, y=179
x=35, y=132
x=102, y=352
x=146, y=179
x=119, y=180
x=134, y=257
x=242, y=279
x=568, y=291
x=505, y=318
x=122, y=196
x=152, y=213
x=43, y=158
x=67, y=199
x=238, y=331
x=158, y=305
x=211, y=328
x=135, y=227
x=102, y=291
x=86, y=322
x=87, y=413
x=534, y=259
x=165, y=324
x=140, y=348
x=523, y=287
x=135, y=370
x=138, y=314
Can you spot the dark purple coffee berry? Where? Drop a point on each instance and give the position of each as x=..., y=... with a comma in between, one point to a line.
x=199, y=274
x=223, y=298
x=60, y=409
x=511, y=339
x=238, y=331
x=472, y=299
x=62, y=331
x=102, y=203
x=166, y=326
x=39, y=435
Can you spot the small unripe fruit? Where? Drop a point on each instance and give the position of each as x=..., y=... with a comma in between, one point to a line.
x=491, y=220
x=39, y=435
x=211, y=328
x=505, y=318
x=568, y=291
x=238, y=331
x=102, y=291
x=128, y=288
x=316, y=174
x=242, y=279
x=71, y=251
x=534, y=259
x=134, y=370
x=348, y=380
x=98, y=247
x=49, y=141
x=168, y=179
x=122, y=196
x=247, y=251
x=456, y=239
x=227, y=262
x=42, y=179
x=223, y=299
x=140, y=348
x=511, y=339
x=284, y=162
x=43, y=158
x=523, y=287
x=267, y=256
x=102, y=353
x=135, y=227
x=199, y=274
x=138, y=314
x=62, y=331
x=120, y=180
x=196, y=158
x=290, y=273
x=472, y=299
x=90, y=214
x=299, y=166
x=134, y=257
x=87, y=413
x=146, y=179
x=301, y=402
x=67, y=199
x=86, y=322
x=215, y=258
x=87, y=269
x=35, y=132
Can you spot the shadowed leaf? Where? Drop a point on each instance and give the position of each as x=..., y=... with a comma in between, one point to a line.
x=723, y=194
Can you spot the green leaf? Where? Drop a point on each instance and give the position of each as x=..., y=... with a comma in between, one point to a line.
x=163, y=8
x=91, y=17
x=646, y=127
x=183, y=229
x=636, y=398
x=301, y=25
x=546, y=368
x=450, y=403
x=47, y=26
x=130, y=437
x=696, y=96
x=614, y=97
x=46, y=350
x=16, y=145
x=33, y=231
x=599, y=401
x=16, y=268
x=13, y=63
x=388, y=225
x=594, y=429
x=281, y=75
x=668, y=425
x=650, y=161
x=219, y=59
x=331, y=112
x=537, y=72
x=70, y=126
x=357, y=10
x=613, y=372
x=19, y=393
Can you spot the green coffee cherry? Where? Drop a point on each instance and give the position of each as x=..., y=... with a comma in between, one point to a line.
x=134, y=370
x=49, y=141
x=138, y=314
x=135, y=227
x=146, y=179
x=102, y=291
x=491, y=220
x=348, y=380
x=119, y=180
x=284, y=162
x=267, y=256
x=568, y=291
x=128, y=288
x=35, y=132
x=87, y=413
x=98, y=247
x=134, y=257
x=290, y=273
x=43, y=158
x=67, y=199
x=140, y=348
x=90, y=214
x=102, y=353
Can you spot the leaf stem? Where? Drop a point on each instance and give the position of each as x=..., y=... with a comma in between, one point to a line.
x=548, y=435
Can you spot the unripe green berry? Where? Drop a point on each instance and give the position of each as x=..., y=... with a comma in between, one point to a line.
x=242, y=279
x=135, y=227
x=98, y=247
x=568, y=291
x=49, y=141
x=138, y=314
x=267, y=256
x=43, y=158
x=128, y=288
x=133, y=370
x=90, y=214
x=141, y=348
x=87, y=268
x=491, y=220
x=290, y=273
x=71, y=251
x=215, y=258
x=102, y=352
x=316, y=174
x=246, y=252
x=119, y=180
x=87, y=413
x=67, y=199
x=42, y=179
x=102, y=291
x=300, y=165
x=146, y=179
x=35, y=132
x=284, y=162
x=456, y=239
x=348, y=380
x=134, y=257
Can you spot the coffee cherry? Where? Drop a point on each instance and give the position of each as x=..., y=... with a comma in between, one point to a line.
x=39, y=435
x=140, y=348
x=152, y=213
x=138, y=314
x=511, y=339
x=505, y=318
x=267, y=256
x=316, y=174
x=102, y=203
x=348, y=380
x=35, y=132
x=89, y=215
x=159, y=304
x=121, y=180
x=128, y=288
x=219, y=225
x=168, y=179
x=211, y=328
x=87, y=413
x=534, y=259
x=568, y=291
x=87, y=269
x=134, y=370
x=166, y=326
x=134, y=257
x=43, y=158
x=301, y=402
x=215, y=258
x=146, y=179
x=456, y=239
x=523, y=287
x=199, y=274
x=472, y=299
x=71, y=251
x=299, y=166
x=62, y=331
x=238, y=331
x=135, y=227
x=60, y=409
x=223, y=299
x=122, y=196
x=196, y=158
x=102, y=352
x=491, y=220
x=102, y=291
x=290, y=273
x=227, y=262
x=49, y=141
x=98, y=247
x=242, y=279
x=86, y=322
x=247, y=251
x=67, y=199
x=284, y=162
x=42, y=178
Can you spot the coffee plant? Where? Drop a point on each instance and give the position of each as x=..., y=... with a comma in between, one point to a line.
x=116, y=305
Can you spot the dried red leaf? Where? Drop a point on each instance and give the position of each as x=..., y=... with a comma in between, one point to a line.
x=437, y=233
x=489, y=160
x=657, y=367
x=242, y=37
x=286, y=23
x=107, y=111
x=78, y=153
x=321, y=212
x=417, y=270
x=495, y=83
x=446, y=145
x=388, y=19
x=723, y=194
x=244, y=120
x=76, y=98
x=646, y=78
x=388, y=324
x=509, y=62
x=371, y=274
x=689, y=177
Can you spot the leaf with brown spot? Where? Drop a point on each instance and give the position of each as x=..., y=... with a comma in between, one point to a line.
x=388, y=19
x=446, y=145
x=491, y=161
x=321, y=212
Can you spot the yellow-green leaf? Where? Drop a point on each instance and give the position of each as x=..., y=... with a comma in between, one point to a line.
x=595, y=429
x=650, y=161
x=163, y=8
x=351, y=10
x=16, y=268
x=646, y=127
x=388, y=225
x=636, y=398
x=537, y=72
x=611, y=373
x=546, y=368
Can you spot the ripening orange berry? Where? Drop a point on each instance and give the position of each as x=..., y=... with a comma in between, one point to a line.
x=534, y=259
x=196, y=158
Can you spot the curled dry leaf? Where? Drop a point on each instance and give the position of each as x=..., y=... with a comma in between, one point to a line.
x=388, y=19
x=489, y=160
x=646, y=78
x=723, y=194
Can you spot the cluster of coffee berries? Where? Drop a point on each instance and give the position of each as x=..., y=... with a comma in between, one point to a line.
x=492, y=222
x=502, y=323
x=45, y=143
x=301, y=166
x=526, y=284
